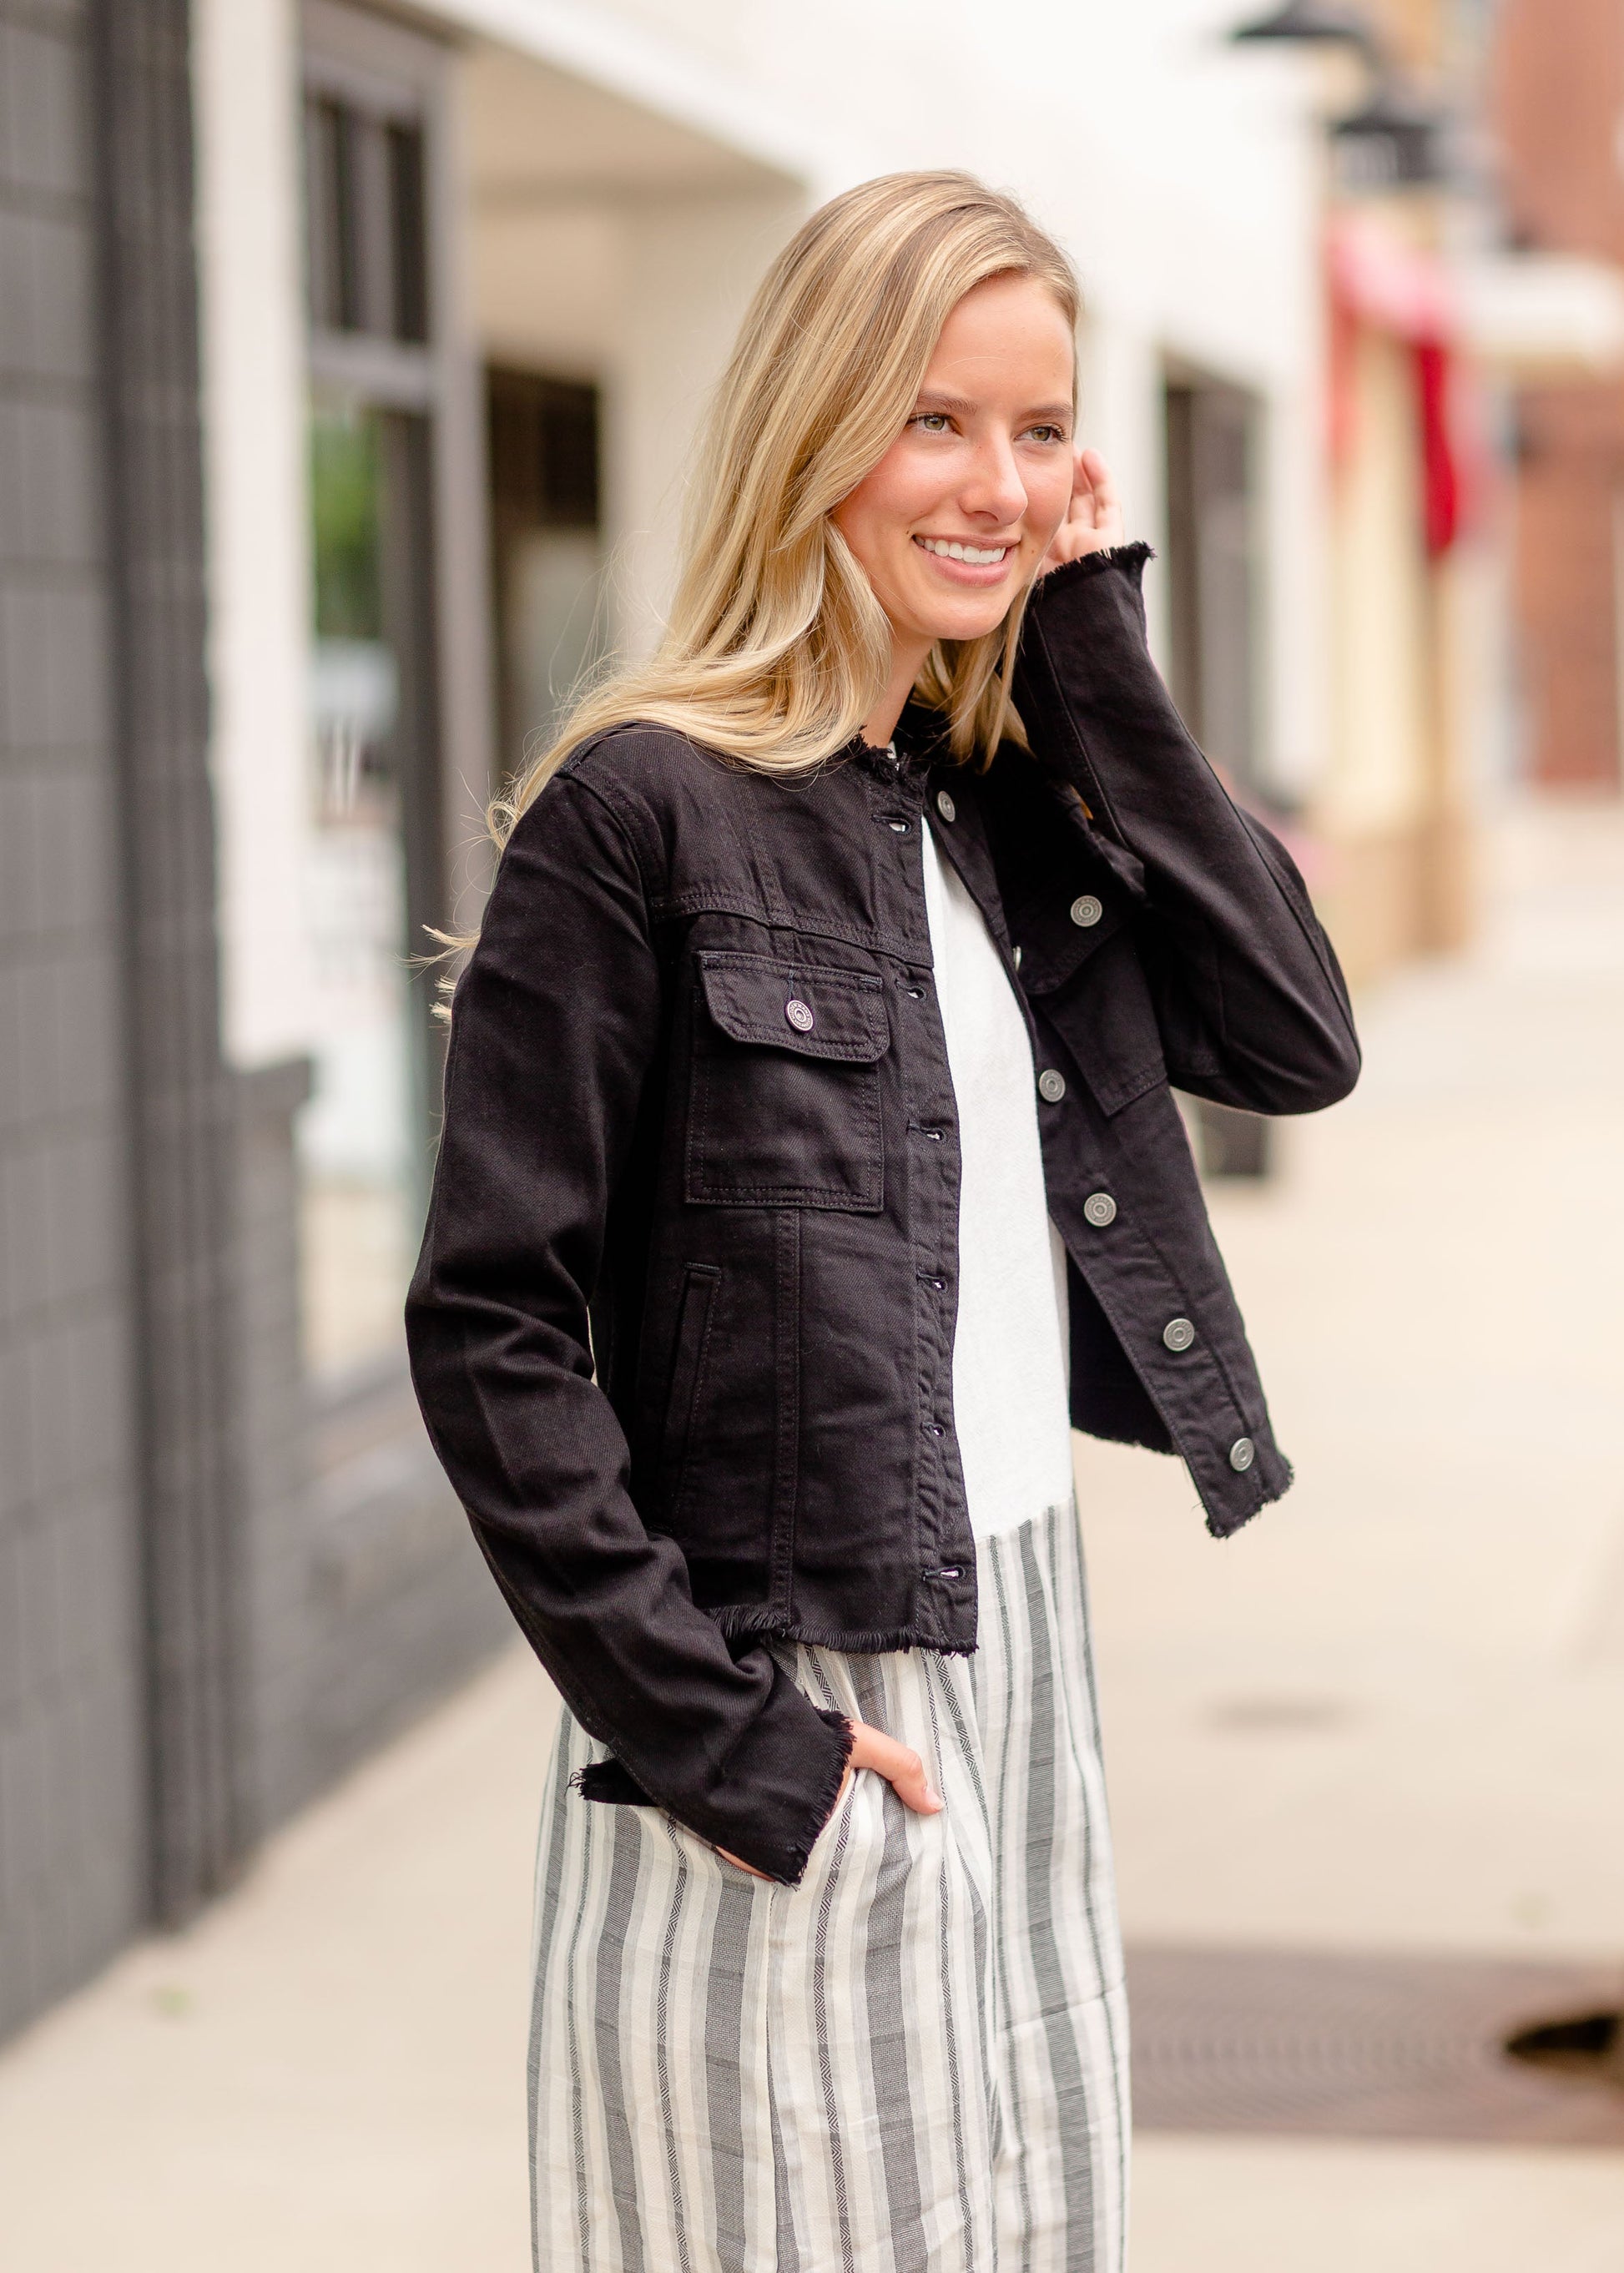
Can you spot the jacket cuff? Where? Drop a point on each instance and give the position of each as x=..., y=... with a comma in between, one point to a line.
x=1127, y=561
x=772, y=1805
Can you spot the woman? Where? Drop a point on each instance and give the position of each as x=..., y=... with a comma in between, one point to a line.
x=809, y=1152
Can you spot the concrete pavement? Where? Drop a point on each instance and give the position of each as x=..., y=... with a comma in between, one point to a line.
x=1387, y=1717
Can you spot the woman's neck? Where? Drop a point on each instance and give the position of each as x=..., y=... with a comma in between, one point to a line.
x=907, y=658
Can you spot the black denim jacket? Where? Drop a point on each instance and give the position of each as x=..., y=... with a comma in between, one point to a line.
x=682, y=1326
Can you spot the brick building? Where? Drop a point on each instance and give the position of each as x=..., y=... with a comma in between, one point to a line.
x=1557, y=111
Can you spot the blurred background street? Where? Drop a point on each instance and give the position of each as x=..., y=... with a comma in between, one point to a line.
x=350, y=357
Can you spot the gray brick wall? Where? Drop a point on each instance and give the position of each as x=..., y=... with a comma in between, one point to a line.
x=72, y=1770
x=215, y=1595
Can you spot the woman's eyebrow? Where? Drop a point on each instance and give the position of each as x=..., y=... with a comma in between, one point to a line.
x=961, y=406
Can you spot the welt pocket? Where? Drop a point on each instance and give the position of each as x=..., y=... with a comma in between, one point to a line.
x=695, y=1315
x=784, y=1105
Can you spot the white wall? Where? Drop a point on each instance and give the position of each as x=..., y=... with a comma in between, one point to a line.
x=259, y=579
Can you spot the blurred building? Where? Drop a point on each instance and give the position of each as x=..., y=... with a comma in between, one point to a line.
x=352, y=360
x=1558, y=109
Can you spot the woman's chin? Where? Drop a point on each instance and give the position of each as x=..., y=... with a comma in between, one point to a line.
x=960, y=625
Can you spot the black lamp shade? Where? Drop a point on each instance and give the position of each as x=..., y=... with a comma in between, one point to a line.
x=1320, y=22
x=1396, y=140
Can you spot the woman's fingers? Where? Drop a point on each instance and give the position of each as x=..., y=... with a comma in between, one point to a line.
x=1093, y=518
x=902, y=1768
x=1106, y=508
x=738, y=1865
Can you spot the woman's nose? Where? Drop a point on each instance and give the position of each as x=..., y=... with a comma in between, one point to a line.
x=995, y=490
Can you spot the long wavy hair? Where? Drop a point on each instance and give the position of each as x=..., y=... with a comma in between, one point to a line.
x=776, y=649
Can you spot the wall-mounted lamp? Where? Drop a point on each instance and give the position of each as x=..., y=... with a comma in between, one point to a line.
x=1384, y=136
x=1317, y=23
x=1394, y=141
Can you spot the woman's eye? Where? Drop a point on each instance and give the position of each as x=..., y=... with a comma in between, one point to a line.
x=1048, y=433
x=932, y=421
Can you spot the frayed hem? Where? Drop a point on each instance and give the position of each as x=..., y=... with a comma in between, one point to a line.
x=746, y=1618
x=1222, y=1525
x=841, y=1728
x=1127, y=556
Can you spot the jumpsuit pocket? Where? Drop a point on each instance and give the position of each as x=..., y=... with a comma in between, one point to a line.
x=783, y=1108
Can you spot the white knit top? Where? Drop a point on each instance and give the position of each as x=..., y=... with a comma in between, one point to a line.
x=1010, y=1349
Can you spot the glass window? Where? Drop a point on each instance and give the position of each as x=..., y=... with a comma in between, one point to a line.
x=356, y=1136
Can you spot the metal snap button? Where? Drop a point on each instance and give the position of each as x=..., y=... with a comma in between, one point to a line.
x=1178, y=1333
x=1099, y=1209
x=1242, y=1453
x=899, y=827
x=800, y=1014
x=1086, y=910
x=945, y=806
x=1051, y=1085
x=1019, y=952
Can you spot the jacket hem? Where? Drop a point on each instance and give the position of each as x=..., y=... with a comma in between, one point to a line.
x=742, y=1618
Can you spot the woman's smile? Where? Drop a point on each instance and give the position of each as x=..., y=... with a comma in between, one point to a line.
x=963, y=561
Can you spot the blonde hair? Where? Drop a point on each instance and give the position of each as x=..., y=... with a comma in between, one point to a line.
x=776, y=650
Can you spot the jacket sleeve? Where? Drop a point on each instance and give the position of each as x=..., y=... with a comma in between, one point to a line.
x=1252, y=1006
x=555, y=1032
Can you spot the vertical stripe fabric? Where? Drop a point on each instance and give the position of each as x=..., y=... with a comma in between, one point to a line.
x=913, y=2062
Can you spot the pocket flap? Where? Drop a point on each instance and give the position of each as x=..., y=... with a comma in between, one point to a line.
x=1053, y=947
x=808, y=1009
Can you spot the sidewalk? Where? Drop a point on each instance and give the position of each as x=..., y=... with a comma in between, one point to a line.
x=1387, y=1717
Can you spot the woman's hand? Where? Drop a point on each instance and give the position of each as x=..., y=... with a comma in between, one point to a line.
x=903, y=1770
x=1093, y=519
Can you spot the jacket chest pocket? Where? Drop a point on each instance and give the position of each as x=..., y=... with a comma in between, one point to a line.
x=785, y=1096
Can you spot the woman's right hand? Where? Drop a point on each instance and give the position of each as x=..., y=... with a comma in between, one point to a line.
x=902, y=1768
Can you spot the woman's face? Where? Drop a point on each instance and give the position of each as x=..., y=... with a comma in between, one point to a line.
x=952, y=522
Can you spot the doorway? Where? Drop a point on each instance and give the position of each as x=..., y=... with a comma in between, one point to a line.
x=551, y=633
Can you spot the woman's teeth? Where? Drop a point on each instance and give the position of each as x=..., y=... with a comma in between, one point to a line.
x=980, y=556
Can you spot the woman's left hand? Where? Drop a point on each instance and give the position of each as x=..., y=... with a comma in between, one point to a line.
x=1093, y=519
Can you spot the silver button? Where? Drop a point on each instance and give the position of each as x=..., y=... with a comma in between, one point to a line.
x=800, y=1015
x=1086, y=910
x=1099, y=1209
x=1051, y=1085
x=1178, y=1333
x=1018, y=956
x=1242, y=1453
x=945, y=806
